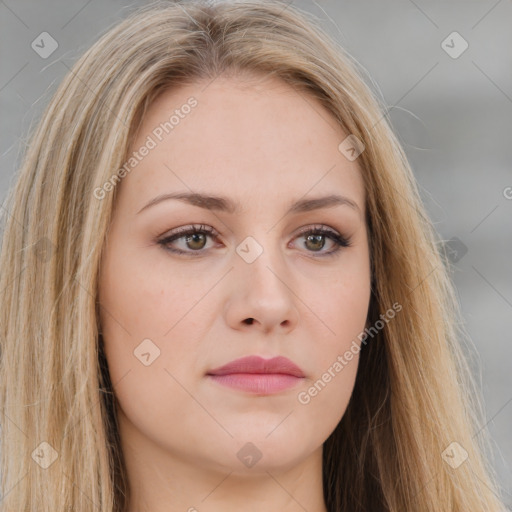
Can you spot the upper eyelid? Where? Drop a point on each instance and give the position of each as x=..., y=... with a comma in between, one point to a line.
x=184, y=230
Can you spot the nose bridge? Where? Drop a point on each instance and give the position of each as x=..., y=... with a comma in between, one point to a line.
x=264, y=260
x=263, y=287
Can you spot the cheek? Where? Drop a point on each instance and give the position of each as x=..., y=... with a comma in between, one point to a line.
x=347, y=312
x=143, y=314
x=144, y=298
x=341, y=309
x=148, y=342
x=337, y=301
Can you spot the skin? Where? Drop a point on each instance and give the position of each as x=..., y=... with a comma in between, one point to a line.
x=261, y=143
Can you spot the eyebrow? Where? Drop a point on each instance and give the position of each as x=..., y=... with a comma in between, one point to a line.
x=223, y=204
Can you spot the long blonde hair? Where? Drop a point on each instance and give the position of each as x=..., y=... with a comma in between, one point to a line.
x=412, y=399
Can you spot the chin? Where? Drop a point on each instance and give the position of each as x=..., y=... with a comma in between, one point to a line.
x=254, y=451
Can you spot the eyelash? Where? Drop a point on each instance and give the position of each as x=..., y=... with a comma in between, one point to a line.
x=338, y=239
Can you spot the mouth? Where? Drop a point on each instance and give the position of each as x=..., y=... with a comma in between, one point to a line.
x=254, y=374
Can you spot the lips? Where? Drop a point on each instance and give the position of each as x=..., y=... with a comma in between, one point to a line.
x=258, y=365
x=258, y=376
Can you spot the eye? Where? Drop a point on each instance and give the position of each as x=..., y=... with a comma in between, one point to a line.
x=315, y=240
x=195, y=240
x=194, y=237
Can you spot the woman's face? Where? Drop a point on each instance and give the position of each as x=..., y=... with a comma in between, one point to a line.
x=252, y=282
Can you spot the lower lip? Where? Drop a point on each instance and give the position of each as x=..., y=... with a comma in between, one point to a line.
x=261, y=383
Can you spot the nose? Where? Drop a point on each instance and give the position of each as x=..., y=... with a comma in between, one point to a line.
x=261, y=295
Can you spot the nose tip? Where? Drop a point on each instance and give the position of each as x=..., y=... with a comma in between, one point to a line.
x=261, y=299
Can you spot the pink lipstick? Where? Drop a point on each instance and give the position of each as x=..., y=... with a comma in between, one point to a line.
x=257, y=375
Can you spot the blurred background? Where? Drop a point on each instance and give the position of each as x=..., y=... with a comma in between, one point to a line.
x=444, y=69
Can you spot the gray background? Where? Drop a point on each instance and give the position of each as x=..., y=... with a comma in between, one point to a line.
x=453, y=117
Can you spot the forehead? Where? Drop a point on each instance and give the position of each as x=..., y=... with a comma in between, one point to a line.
x=254, y=138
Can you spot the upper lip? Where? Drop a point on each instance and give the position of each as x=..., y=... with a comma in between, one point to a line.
x=256, y=364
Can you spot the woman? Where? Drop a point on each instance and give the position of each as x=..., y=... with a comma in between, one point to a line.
x=220, y=288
